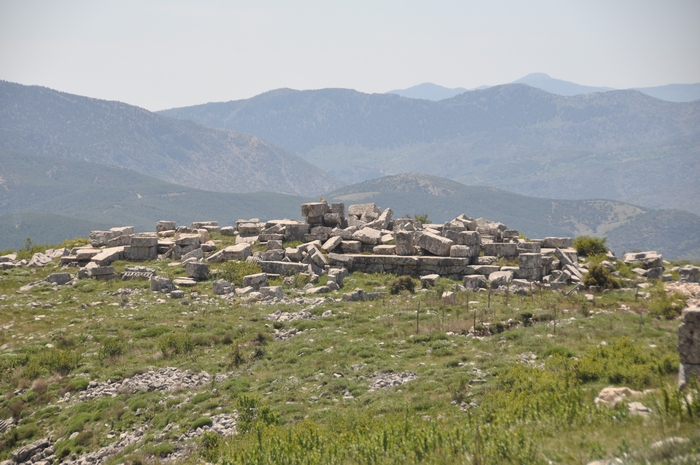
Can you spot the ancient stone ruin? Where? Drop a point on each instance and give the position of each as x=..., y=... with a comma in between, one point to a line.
x=479, y=252
x=689, y=346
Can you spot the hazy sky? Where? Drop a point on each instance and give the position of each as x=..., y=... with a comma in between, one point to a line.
x=160, y=54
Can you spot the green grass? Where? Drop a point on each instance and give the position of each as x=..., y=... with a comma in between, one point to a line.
x=290, y=393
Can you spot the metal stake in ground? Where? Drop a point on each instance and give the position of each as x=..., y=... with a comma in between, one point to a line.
x=417, y=317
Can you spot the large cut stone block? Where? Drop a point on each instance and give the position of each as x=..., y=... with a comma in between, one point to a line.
x=557, y=242
x=404, y=243
x=368, y=236
x=435, y=244
x=530, y=260
x=237, y=252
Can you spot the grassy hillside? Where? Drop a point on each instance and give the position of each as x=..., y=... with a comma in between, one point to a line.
x=50, y=123
x=621, y=145
x=349, y=383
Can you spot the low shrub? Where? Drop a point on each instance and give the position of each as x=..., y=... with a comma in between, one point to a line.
x=111, y=347
x=666, y=306
x=588, y=246
x=175, y=344
x=199, y=422
x=600, y=276
x=234, y=271
x=402, y=283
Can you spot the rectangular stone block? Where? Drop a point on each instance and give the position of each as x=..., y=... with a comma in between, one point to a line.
x=500, y=249
x=530, y=260
x=435, y=244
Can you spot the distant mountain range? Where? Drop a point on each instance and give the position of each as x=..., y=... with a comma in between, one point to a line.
x=43, y=121
x=670, y=92
x=621, y=145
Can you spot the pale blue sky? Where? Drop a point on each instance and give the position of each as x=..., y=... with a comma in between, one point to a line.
x=160, y=54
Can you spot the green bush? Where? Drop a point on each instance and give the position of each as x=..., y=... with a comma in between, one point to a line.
x=163, y=449
x=559, y=351
x=600, y=276
x=201, y=421
x=667, y=306
x=235, y=270
x=620, y=363
x=111, y=347
x=175, y=344
x=402, y=283
x=588, y=246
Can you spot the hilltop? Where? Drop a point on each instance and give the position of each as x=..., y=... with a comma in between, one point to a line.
x=298, y=342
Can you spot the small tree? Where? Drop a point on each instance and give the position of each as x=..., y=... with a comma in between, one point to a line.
x=600, y=276
x=588, y=246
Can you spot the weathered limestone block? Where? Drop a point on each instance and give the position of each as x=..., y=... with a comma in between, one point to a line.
x=332, y=243
x=272, y=255
x=531, y=274
x=161, y=284
x=228, y=231
x=271, y=292
x=294, y=230
x=365, y=211
x=463, y=251
x=164, y=225
x=197, y=270
x=255, y=280
x=120, y=240
x=689, y=346
x=337, y=275
x=318, y=233
x=429, y=280
x=689, y=274
x=237, y=252
x=563, y=257
x=384, y=249
x=475, y=282
x=383, y=221
x=647, y=259
x=249, y=228
x=500, y=278
x=107, y=256
x=275, y=244
x=211, y=226
x=529, y=247
x=59, y=278
x=404, y=243
x=283, y=268
x=209, y=246
x=315, y=209
x=332, y=219
x=484, y=270
x=368, y=236
x=293, y=254
x=472, y=239
x=267, y=237
x=316, y=257
x=449, y=298
x=557, y=242
x=500, y=249
x=530, y=260
x=435, y=244
x=689, y=336
x=221, y=287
